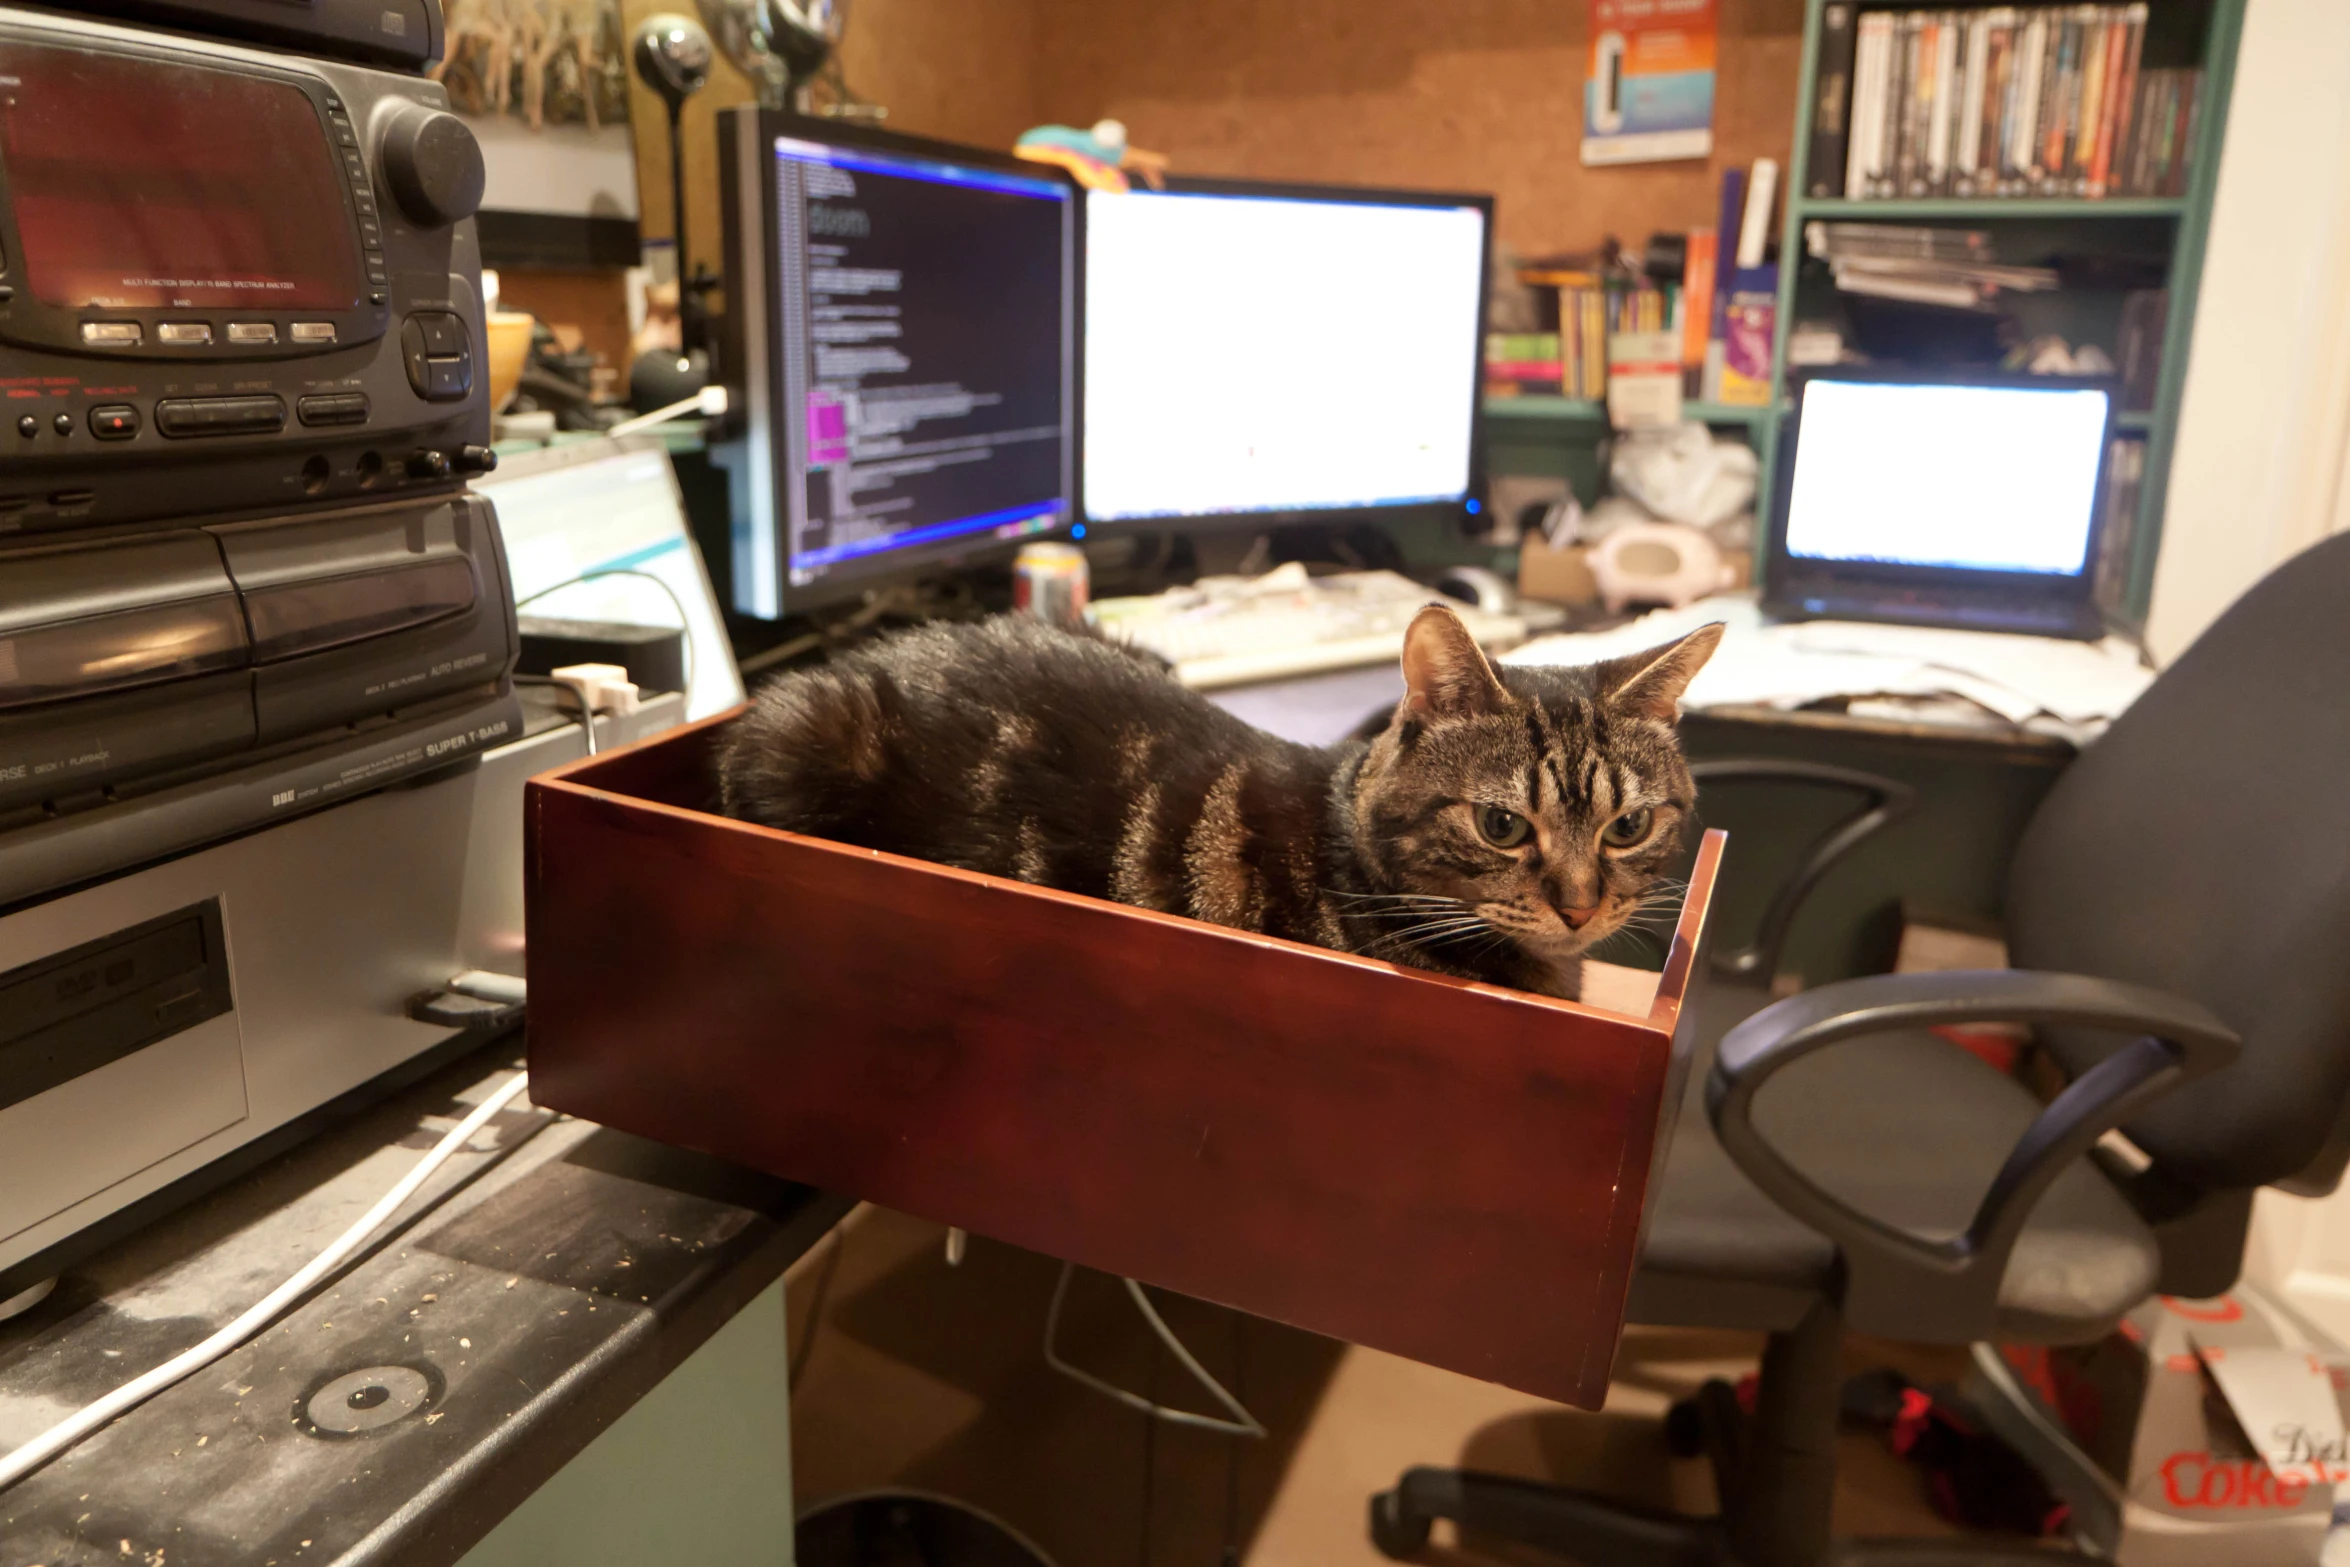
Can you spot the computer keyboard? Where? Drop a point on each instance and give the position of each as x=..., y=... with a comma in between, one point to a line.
x=1228, y=631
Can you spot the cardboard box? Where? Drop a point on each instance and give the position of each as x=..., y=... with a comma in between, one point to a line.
x=1555, y=576
x=2200, y=1433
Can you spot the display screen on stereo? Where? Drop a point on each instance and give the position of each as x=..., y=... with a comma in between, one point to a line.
x=139, y=184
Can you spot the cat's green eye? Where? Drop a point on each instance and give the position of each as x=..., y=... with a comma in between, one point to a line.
x=1627, y=829
x=1503, y=829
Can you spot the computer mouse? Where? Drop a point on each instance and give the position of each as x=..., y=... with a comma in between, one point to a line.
x=1489, y=591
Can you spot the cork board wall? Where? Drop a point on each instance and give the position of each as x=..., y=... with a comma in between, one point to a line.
x=1485, y=96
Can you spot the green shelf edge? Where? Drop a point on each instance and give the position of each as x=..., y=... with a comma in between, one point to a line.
x=1582, y=410
x=2041, y=207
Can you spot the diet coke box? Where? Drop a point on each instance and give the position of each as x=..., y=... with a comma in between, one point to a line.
x=2200, y=1432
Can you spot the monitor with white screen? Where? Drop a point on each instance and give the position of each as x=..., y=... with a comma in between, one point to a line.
x=596, y=531
x=1959, y=499
x=1976, y=478
x=899, y=341
x=1253, y=352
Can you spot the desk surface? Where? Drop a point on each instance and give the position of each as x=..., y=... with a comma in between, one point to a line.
x=1321, y=709
x=544, y=1280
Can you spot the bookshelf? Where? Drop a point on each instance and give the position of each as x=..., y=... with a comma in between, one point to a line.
x=2168, y=229
x=1530, y=434
x=1582, y=410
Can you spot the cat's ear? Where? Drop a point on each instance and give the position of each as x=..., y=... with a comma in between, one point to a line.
x=1649, y=685
x=1444, y=673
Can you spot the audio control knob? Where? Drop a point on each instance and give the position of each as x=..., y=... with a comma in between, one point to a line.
x=433, y=165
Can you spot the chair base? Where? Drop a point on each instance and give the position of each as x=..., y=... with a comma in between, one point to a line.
x=1604, y=1533
x=1590, y=1528
x=1775, y=1471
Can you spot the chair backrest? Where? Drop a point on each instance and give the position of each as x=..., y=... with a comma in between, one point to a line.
x=2202, y=846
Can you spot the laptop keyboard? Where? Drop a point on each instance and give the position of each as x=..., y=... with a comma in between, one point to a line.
x=1973, y=614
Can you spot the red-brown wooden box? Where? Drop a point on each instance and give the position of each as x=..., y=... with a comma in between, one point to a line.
x=1450, y=1171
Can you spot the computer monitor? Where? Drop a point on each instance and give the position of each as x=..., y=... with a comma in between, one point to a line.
x=1955, y=499
x=1255, y=353
x=595, y=531
x=899, y=321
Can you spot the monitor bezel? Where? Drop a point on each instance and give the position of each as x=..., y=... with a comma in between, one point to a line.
x=750, y=335
x=1787, y=576
x=1474, y=482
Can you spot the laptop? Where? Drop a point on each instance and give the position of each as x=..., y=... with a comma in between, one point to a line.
x=1952, y=500
x=595, y=529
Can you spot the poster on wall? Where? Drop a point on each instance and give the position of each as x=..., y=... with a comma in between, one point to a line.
x=1649, y=95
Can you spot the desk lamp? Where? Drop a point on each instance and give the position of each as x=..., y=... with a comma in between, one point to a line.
x=779, y=44
x=672, y=55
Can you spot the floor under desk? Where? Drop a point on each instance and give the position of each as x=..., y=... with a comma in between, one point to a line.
x=909, y=1375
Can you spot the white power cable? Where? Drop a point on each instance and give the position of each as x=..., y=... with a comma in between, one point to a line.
x=708, y=403
x=1242, y=1422
x=24, y=1460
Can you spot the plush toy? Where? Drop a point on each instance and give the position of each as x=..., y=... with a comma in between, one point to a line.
x=1099, y=157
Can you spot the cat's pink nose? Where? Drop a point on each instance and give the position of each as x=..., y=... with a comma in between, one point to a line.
x=1578, y=918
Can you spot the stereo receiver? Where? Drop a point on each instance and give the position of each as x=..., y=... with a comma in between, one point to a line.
x=229, y=280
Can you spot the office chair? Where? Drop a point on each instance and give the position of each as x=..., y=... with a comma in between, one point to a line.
x=2178, y=912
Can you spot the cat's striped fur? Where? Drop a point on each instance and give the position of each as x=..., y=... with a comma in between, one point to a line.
x=1482, y=833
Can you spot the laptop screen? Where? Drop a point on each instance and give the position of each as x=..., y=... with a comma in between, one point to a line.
x=1965, y=478
x=596, y=531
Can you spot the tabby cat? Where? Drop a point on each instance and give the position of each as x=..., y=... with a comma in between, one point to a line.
x=1502, y=823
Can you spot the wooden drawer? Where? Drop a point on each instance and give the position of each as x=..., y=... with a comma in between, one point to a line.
x=1450, y=1171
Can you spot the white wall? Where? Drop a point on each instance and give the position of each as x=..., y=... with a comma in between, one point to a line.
x=2259, y=471
x=2264, y=435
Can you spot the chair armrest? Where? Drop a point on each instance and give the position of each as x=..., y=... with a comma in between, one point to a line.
x=1946, y=1288
x=1884, y=801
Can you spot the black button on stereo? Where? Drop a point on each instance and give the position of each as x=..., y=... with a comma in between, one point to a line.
x=181, y=417
x=28, y=427
x=439, y=355
x=333, y=408
x=443, y=333
x=62, y=424
x=114, y=422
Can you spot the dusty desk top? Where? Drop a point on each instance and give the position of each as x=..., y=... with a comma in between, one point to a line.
x=541, y=1283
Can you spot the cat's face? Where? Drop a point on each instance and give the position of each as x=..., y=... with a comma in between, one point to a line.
x=1535, y=807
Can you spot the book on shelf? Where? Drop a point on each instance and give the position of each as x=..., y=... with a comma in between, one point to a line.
x=1518, y=362
x=1604, y=309
x=1751, y=325
x=1698, y=269
x=1926, y=266
x=2117, y=530
x=2145, y=318
x=1831, y=123
x=2047, y=101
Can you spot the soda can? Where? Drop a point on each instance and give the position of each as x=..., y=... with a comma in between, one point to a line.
x=1050, y=581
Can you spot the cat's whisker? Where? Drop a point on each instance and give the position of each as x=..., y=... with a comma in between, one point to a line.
x=1403, y=899
x=1448, y=928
